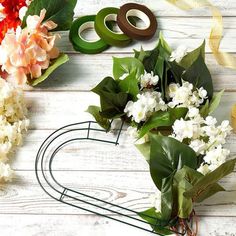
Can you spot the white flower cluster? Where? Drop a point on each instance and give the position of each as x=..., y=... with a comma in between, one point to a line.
x=148, y=80
x=185, y=95
x=204, y=137
x=148, y=102
x=13, y=123
x=178, y=54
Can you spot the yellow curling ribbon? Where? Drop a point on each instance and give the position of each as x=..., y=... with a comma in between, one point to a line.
x=223, y=58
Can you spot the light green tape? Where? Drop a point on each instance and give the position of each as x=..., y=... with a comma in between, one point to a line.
x=81, y=44
x=110, y=37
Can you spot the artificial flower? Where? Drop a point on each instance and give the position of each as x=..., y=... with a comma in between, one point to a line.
x=13, y=121
x=178, y=54
x=6, y=173
x=27, y=52
x=11, y=20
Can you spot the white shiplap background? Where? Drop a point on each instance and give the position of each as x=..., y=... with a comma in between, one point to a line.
x=25, y=210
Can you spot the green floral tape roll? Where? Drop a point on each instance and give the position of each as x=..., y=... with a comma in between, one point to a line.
x=110, y=37
x=79, y=43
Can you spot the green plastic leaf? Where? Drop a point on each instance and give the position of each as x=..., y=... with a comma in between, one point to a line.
x=130, y=85
x=215, y=101
x=165, y=49
x=199, y=75
x=95, y=112
x=209, y=108
x=63, y=58
x=60, y=12
x=168, y=155
x=140, y=55
x=167, y=197
x=156, y=222
x=127, y=65
x=112, y=100
x=176, y=71
x=144, y=148
x=204, y=110
x=162, y=118
x=191, y=57
x=197, y=192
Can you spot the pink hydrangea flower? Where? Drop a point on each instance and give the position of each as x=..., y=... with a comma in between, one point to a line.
x=27, y=52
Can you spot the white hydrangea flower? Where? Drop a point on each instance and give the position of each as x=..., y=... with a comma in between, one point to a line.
x=184, y=96
x=13, y=121
x=147, y=103
x=178, y=54
x=132, y=132
x=192, y=112
x=155, y=200
x=199, y=146
x=6, y=173
x=148, y=79
x=204, y=169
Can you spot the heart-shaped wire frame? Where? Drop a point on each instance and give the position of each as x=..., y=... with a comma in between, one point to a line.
x=88, y=130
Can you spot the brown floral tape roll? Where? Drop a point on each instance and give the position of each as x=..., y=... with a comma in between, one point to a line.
x=142, y=12
x=233, y=117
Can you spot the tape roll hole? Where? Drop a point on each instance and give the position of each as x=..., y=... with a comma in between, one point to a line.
x=142, y=20
x=112, y=18
x=88, y=33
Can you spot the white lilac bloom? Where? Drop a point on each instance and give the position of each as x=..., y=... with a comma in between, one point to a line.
x=148, y=79
x=185, y=96
x=178, y=54
x=147, y=103
x=155, y=200
x=6, y=173
x=13, y=121
x=216, y=157
x=204, y=169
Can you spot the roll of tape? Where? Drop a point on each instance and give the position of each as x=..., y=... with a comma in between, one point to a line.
x=109, y=36
x=79, y=43
x=145, y=14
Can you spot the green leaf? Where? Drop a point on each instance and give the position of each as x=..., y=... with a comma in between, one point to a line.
x=197, y=192
x=95, y=112
x=167, y=197
x=156, y=222
x=162, y=118
x=199, y=75
x=63, y=58
x=176, y=71
x=209, y=108
x=130, y=85
x=112, y=100
x=60, y=12
x=204, y=111
x=191, y=57
x=168, y=155
x=140, y=55
x=127, y=65
x=165, y=49
x=144, y=148
x=215, y=101
x=158, y=119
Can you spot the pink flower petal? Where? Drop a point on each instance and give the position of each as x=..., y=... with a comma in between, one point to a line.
x=36, y=71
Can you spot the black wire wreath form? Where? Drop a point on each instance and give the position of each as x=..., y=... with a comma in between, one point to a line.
x=47, y=181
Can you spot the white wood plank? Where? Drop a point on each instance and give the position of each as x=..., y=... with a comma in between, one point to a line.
x=83, y=72
x=124, y=157
x=177, y=30
x=127, y=189
x=52, y=110
x=79, y=225
x=160, y=7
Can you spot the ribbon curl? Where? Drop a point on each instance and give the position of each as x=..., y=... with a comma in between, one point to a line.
x=223, y=58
